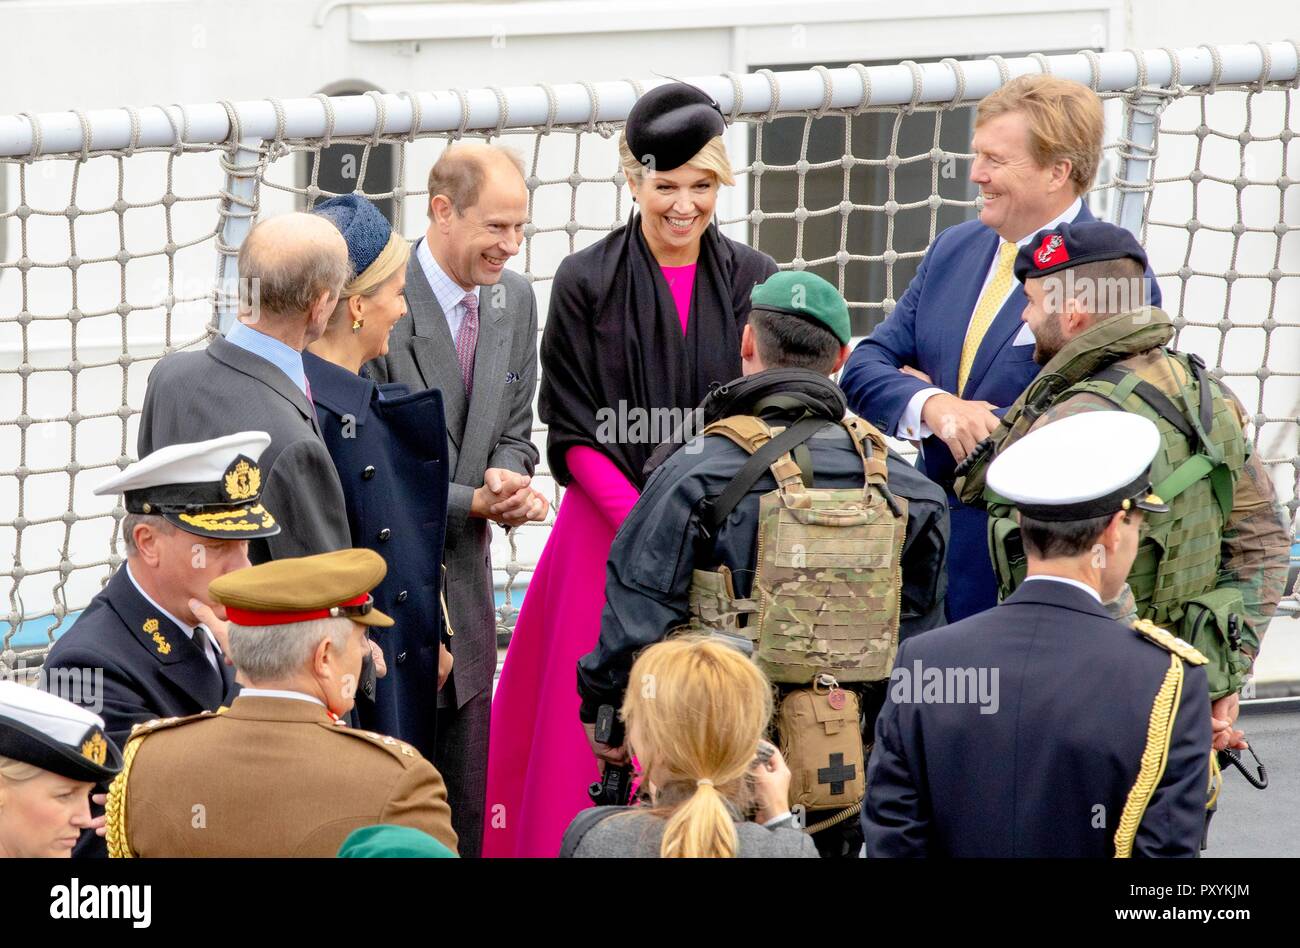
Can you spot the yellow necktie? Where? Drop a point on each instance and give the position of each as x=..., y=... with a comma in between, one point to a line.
x=990, y=302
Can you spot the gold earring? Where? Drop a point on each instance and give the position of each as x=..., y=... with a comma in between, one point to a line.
x=357, y=324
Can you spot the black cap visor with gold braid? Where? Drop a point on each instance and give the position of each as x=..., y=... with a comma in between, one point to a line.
x=95, y=758
x=1137, y=495
x=227, y=509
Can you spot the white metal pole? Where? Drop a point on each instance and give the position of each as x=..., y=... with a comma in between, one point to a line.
x=441, y=111
x=1133, y=178
x=238, y=207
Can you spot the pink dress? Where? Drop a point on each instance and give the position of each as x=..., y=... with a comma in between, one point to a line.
x=539, y=762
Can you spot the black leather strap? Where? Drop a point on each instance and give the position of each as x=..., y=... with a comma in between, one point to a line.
x=714, y=511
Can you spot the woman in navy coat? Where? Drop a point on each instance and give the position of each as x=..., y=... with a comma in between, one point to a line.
x=390, y=449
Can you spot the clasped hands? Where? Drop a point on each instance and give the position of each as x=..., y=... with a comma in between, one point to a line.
x=507, y=498
x=960, y=424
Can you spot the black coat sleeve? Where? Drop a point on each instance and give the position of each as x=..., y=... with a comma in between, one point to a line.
x=647, y=583
x=1174, y=820
x=895, y=813
x=75, y=675
x=925, y=549
x=304, y=495
x=567, y=393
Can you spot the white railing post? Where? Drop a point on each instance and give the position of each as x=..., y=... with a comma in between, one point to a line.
x=1137, y=158
x=238, y=208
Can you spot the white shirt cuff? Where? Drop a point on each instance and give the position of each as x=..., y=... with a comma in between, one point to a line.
x=910, y=425
x=780, y=820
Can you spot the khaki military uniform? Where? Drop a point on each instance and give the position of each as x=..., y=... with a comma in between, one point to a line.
x=268, y=777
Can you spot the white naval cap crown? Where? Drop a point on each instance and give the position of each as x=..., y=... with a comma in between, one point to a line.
x=194, y=462
x=59, y=720
x=1083, y=465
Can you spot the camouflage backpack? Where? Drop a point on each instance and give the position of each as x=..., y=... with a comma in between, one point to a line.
x=828, y=581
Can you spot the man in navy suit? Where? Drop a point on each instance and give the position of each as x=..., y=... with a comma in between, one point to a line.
x=1043, y=727
x=145, y=647
x=954, y=353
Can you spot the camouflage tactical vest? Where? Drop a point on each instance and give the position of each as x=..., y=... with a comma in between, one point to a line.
x=828, y=582
x=1195, y=472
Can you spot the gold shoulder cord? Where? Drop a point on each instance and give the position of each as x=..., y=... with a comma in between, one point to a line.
x=1160, y=731
x=1216, y=781
x=115, y=808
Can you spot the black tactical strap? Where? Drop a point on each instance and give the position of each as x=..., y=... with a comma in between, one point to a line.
x=714, y=512
x=1156, y=399
x=1207, y=399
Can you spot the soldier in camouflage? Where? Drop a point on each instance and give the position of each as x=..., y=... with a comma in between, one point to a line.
x=1212, y=569
x=796, y=337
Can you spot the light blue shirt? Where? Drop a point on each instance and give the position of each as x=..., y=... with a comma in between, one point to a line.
x=446, y=291
x=285, y=358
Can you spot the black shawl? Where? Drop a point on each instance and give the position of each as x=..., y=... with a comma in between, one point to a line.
x=613, y=355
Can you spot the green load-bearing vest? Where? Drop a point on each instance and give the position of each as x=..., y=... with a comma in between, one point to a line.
x=1195, y=472
x=1203, y=450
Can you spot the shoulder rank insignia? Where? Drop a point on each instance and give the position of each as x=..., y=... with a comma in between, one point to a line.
x=1169, y=642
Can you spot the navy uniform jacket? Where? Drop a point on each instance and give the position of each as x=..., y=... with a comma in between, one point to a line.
x=926, y=330
x=391, y=456
x=648, y=577
x=1047, y=773
x=151, y=669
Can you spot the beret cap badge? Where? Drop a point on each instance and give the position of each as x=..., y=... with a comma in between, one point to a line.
x=1051, y=252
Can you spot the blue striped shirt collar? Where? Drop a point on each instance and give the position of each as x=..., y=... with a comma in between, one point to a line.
x=285, y=358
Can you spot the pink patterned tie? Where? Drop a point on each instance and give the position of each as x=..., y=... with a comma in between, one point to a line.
x=467, y=340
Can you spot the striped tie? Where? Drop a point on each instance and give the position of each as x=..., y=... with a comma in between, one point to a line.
x=467, y=341
x=990, y=302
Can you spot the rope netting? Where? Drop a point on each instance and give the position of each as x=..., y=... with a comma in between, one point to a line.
x=111, y=258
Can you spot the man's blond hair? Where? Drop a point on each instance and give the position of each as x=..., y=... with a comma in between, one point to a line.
x=1065, y=122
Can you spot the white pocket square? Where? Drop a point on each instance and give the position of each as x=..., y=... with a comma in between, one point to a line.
x=1024, y=337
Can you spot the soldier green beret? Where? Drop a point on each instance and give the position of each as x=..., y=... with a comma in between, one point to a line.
x=299, y=589
x=804, y=294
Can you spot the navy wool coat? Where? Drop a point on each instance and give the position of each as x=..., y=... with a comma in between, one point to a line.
x=390, y=449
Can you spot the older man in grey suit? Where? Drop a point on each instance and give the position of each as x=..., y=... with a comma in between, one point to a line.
x=473, y=334
x=293, y=267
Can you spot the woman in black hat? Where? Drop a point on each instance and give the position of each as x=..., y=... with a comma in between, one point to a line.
x=52, y=753
x=640, y=325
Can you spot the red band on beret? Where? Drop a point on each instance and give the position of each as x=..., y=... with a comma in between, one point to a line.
x=250, y=617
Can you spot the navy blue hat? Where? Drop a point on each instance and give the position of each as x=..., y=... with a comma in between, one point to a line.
x=669, y=125
x=363, y=226
x=1069, y=245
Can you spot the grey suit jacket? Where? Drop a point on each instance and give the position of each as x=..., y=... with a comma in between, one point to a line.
x=493, y=428
x=194, y=396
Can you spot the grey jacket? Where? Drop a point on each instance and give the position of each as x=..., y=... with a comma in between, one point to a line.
x=194, y=396
x=638, y=834
x=491, y=429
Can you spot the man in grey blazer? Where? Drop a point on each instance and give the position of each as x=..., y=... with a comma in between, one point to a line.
x=473, y=334
x=293, y=266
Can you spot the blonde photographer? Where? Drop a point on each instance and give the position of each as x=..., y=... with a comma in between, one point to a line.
x=695, y=718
